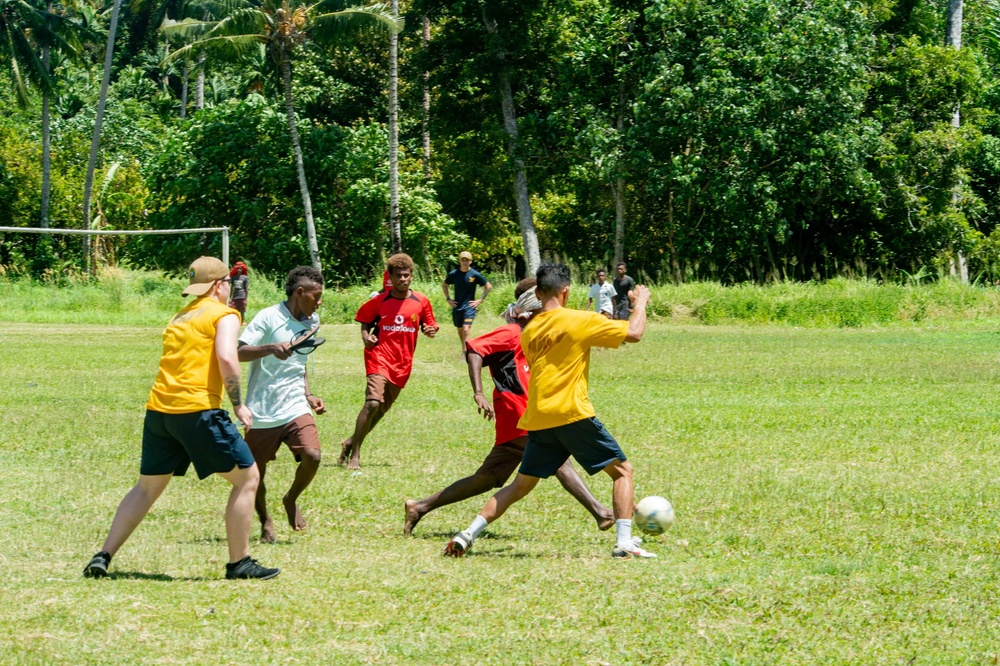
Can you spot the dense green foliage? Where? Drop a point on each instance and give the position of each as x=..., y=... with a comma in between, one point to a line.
x=752, y=140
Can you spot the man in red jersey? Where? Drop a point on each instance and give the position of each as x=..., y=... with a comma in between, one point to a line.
x=500, y=351
x=389, y=325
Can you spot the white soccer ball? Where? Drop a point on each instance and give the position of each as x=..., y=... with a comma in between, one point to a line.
x=653, y=515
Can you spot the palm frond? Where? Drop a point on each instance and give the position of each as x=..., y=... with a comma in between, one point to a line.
x=333, y=27
x=186, y=28
x=225, y=47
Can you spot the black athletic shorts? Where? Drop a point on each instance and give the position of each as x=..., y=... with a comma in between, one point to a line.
x=588, y=441
x=171, y=442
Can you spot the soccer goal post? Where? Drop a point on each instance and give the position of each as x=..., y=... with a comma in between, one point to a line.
x=129, y=232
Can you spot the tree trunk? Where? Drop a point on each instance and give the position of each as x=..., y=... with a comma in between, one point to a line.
x=394, y=227
x=620, y=184
x=529, y=237
x=199, y=98
x=88, y=186
x=165, y=80
x=427, y=106
x=184, y=91
x=46, y=143
x=953, y=38
x=286, y=75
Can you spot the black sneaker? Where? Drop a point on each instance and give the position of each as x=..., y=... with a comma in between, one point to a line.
x=98, y=567
x=247, y=568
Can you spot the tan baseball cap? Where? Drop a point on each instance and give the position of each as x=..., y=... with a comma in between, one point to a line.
x=203, y=274
x=466, y=255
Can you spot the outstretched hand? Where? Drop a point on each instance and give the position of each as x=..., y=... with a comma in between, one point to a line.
x=485, y=407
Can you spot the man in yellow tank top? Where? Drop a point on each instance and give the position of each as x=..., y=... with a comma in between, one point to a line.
x=185, y=423
x=560, y=419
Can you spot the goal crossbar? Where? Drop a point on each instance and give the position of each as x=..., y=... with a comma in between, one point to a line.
x=129, y=232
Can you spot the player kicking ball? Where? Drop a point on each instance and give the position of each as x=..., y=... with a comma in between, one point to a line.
x=560, y=418
x=278, y=392
x=389, y=325
x=500, y=351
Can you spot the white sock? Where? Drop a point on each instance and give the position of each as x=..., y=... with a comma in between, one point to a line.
x=623, y=530
x=477, y=526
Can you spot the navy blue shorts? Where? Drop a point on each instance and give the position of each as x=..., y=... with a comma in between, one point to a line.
x=588, y=441
x=463, y=315
x=171, y=442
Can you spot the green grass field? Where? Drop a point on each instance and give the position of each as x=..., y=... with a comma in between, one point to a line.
x=836, y=494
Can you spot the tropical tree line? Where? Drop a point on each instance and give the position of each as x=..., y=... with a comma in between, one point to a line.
x=727, y=140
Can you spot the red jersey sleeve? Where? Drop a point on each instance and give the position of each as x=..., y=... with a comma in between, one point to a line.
x=500, y=340
x=427, y=314
x=369, y=312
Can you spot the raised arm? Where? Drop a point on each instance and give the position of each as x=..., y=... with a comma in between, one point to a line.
x=226, y=334
x=484, y=406
x=637, y=324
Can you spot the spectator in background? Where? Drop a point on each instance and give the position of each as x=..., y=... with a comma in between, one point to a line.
x=240, y=281
x=602, y=295
x=624, y=292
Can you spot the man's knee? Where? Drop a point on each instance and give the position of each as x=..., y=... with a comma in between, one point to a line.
x=619, y=469
x=310, y=457
x=371, y=408
x=522, y=485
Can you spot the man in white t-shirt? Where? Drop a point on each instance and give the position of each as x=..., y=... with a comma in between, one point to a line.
x=278, y=392
x=602, y=295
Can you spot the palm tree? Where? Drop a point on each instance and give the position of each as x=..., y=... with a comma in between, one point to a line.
x=283, y=28
x=29, y=33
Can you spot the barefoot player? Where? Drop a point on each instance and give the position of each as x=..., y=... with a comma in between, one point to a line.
x=185, y=423
x=560, y=419
x=278, y=392
x=500, y=351
x=389, y=325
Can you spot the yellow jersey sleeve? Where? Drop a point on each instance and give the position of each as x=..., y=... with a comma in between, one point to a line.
x=599, y=331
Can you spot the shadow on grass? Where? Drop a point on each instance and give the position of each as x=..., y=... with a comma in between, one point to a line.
x=207, y=540
x=139, y=575
x=448, y=535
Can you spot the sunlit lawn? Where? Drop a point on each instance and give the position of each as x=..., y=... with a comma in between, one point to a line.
x=837, y=496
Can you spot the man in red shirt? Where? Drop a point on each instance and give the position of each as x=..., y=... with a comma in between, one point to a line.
x=500, y=351
x=389, y=325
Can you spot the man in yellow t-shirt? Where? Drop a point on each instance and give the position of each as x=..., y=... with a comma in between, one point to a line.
x=185, y=423
x=560, y=419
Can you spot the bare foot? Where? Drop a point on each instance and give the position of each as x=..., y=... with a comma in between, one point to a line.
x=267, y=534
x=413, y=516
x=355, y=462
x=295, y=518
x=606, y=522
x=345, y=451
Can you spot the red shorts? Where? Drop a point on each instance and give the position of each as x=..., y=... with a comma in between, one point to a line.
x=298, y=434
x=381, y=389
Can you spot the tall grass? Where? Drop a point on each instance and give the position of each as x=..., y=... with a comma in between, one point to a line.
x=149, y=298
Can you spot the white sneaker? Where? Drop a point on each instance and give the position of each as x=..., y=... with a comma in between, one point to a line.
x=632, y=551
x=458, y=544
x=637, y=541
